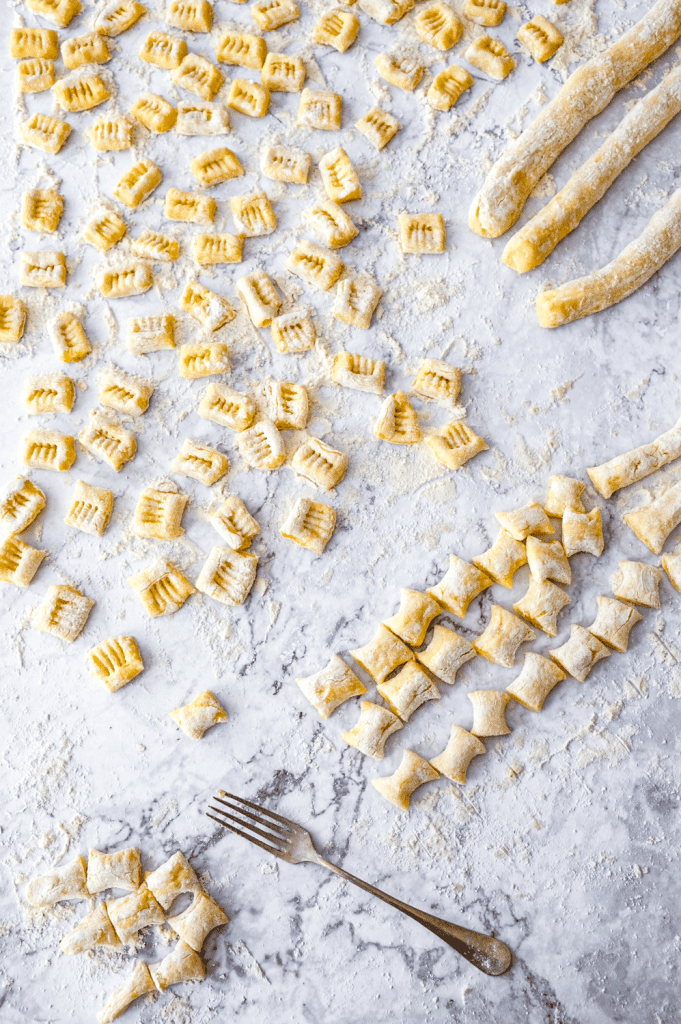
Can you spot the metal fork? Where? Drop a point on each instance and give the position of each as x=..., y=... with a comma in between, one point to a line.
x=291, y=842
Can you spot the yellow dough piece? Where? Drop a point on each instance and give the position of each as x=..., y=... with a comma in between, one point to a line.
x=190, y=15
x=42, y=269
x=541, y=37
x=197, y=117
x=490, y=56
x=91, y=509
x=91, y=48
x=448, y=86
x=163, y=50
x=106, y=438
x=408, y=690
x=414, y=771
x=202, y=714
x=154, y=112
x=637, y=464
x=203, y=360
x=336, y=28
x=542, y=604
x=485, y=12
x=66, y=883
x=80, y=92
x=138, y=984
x=105, y=230
x=320, y=108
x=44, y=132
x=503, y=559
x=242, y=49
x=331, y=686
x=262, y=446
x=358, y=372
x=331, y=225
x=114, y=662
x=581, y=652
x=198, y=75
x=63, y=612
x=49, y=449
x=215, y=166
x=438, y=26
x=94, y=930
x=180, y=966
x=261, y=298
x=12, y=318
x=209, y=308
x=489, y=712
x=20, y=503
x=161, y=588
x=503, y=636
x=382, y=655
x=583, y=531
x=535, y=682
x=41, y=209
x=339, y=176
x=118, y=17
x=293, y=332
x=286, y=163
x=271, y=14
x=415, y=615
x=379, y=127
x=228, y=575
x=357, y=297
x=397, y=421
x=310, y=524
x=446, y=653
x=111, y=134
x=460, y=585
x=172, y=878
x=150, y=334
x=18, y=562
x=614, y=622
x=282, y=72
x=250, y=98
x=319, y=464
x=156, y=247
x=385, y=12
x=138, y=183
x=49, y=392
x=288, y=405
x=638, y=582
x=35, y=75
x=525, y=521
x=59, y=12
x=129, y=914
x=228, y=407
x=454, y=760
x=253, y=214
x=159, y=513
x=34, y=42
x=199, y=919
x=123, y=392
x=374, y=726
x=455, y=444
x=235, y=524
x=565, y=495
x=421, y=232
x=199, y=462
x=316, y=266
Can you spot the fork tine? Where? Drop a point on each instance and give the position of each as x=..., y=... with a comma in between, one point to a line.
x=276, y=841
x=269, y=849
x=256, y=807
x=277, y=829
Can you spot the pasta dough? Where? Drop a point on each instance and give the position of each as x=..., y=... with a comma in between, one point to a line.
x=637, y=464
x=94, y=930
x=66, y=883
x=638, y=582
x=414, y=771
x=199, y=919
x=542, y=604
x=382, y=655
x=503, y=559
x=331, y=686
x=173, y=877
x=129, y=914
x=458, y=754
x=502, y=637
x=489, y=712
x=119, y=870
x=139, y=983
x=182, y=965
x=446, y=653
x=581, y=652
x=535, y=682
x=614, y=622
x=408, y=690
x=416, y=612
x=653, y=523
x=583, y=531
x=460, y=585
x=202, y=714
x=372, y=730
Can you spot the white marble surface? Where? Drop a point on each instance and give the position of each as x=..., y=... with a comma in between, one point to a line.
x=565, y=841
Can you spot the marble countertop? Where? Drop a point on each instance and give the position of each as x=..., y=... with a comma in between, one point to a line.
x=564, y=843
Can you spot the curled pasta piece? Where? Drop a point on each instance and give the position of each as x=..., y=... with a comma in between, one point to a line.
x=357, y=297
x=454, y=760
x=653, y=523
x=316, y=266
x=197, y=75
x=319, y=464
x=542, y=604
x=129, y=914
x=94, y=930
x=310, y=524
x=438, y=26
x=66, y=883
x=234, y=522
x=374, y=726
x=637, y=464
x=35, y=75
x=190, y=15
x=63, y=612
x=614, y=622
x=503, y=636
x=414, y=771
x=382, y=655
x=330, y=224
x=581, y=652
x=199, y=919
x=321, y=109
x=293, y=332
x=485, y=12
x=20, y=503
x=400, y=69
x=163, y=50
x=446, y=653
x=358, y=372
x=123, y=391
x=117, y=17
x=209, y=308
x=42, y=269
x=49, y=449
x=439, y=382
x=261, y=298
x=288, y=405
x=150, y=334
x=161, y=588
x=490, y=56
x=541, y=37
x=524, y=522
x=408, y=690
x=198, y=117
x=331, y=686
x=336, y=28
x=378, y=127
x=172, y=878
x=416, y=612
x=34, y=42
x=583, y=531
x=397, y=421
x=503, y=559
x=228, y=575
x=489, y=712
x=547, y=560
x=672, y=566
x=271, y=14
x=203, y=360
x=262, y=445
x=40, y=131
x=19, y=562
x=339, y=175
x=115, y=661
x=282, y=72
x=638, y=583
x=41, y=209
x=535, y=682
x=158, y=513
x=460, y=585
x=449, y=86
x=106, y=438
x=202, y=714
x=199, y=462
x=139, y=983
x=12, y=318
x=91, y=509
x=119, y=870
x=49, y=393
x=182, y=965
x=385, y=12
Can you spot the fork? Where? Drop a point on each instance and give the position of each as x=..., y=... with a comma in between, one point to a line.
x=292, y=843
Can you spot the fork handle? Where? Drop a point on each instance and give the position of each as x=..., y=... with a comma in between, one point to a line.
x=488, y=954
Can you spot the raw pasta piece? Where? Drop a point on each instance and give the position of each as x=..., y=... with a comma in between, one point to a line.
x=35, y=75
x=215, y=166
x=503, y=559
x=190, y=15
x=90, y=509
x=105, y=230
x=401, y=70
x=438, y=381
x=542, y=604
x=118, y=17
x=163, y=50
x=459, y=586
x=20, y=503
x=138, y=183
x=315, y=265
x=547, y=560
x=42, y=269
x=59, y=12
x=535, y=682
x=288, y=405
x=339, y=176
x=66, y=883
x=653, y=523
x=485, y=12
x=197, y=118
x=583, y=532
x=199, y=462
x=637, y=464
x=386, y=12
x=34, y=42
x=49, y=449
x=503, y=636
x=455, y=444
x=49, y=393
x=614, y=622
x=159, y=514
x=209, y=308
x=150, y=333
x=115, y=662
x=131, y=278
x=374, y=726
x=180, y=966
x=18, y=562
x=91, y=48
x=108, y=440
x=413, y=772
x=320, y=108
x=63, y=612
x=336, y=28
x=228, y=407
x=489, y=712
x=44, y=132
x=198, y=920
x=80, y=92
x=454, y=760
x=329, y=222
x=203, y=360
x=671, y=564
x=198, y=75
x=70, y=341
x=111, y=134
x=445, y=654
x=293, y=332
x=261, y=298
x=271, y=14
x=379, y=127
x=209, y=250
x=331, y=686
x=319, y=464
x=356, y=299
x=123, y=392
x=282, y=72
x=358, y=372
x=438, y=26
x=129, y=914
x=138, y=984
x=253, y=214
x=243, y=49
x=228, y=575
x=234, y=522
x=189, y=206
x=421, y=232
x=565, y=495
x=196, y=718
x=541, y=37
x=171, y=879
x=94, y=930
x=286, y=163
x=638, y=583
x=310, y=524
x=382, y=655
x=408, y=690
x=523, y=522
x=415, y=614
x=581, y=652
x=161, y=588
x=249, y=98
x=262, y=446
x=490, y=56
x=12, y=318
x=397, y=421
x=449, y=86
